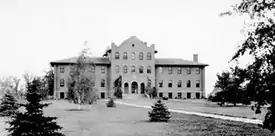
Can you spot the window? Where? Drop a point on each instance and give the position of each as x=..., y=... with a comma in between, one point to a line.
x=125, y=57
x=198, y=71
x=179, y=84
x=149, y=82
x=188, y=84
x=149, y=70
x=117, y=55
x=170, y=84
x=170, y=70
x=198, y=95
x=62, y=69
x=133, y=56
x=102, y=69
x=102, y=95
x=188, y=95
x=141, y=56
x=188, y=71
x=102, y=83
x=179, y=95
x=160, y=69
x=149, y=56
x=179, y=71
x=62, y=82
x=160, y=83
x=125, y=69
x=170, y=95
x=117, y=69
x=160, y=95
x=141, y=69
x=62, y=95
x=133, y=69
x=198, y=84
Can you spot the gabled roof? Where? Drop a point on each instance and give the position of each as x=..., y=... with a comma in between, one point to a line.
x=178, y=62
x=72, y=60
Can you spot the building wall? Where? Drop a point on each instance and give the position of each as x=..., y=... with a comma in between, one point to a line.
x=175, y=77
x=136, y=47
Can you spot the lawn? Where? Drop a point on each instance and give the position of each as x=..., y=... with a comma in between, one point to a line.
x=98, y=120
x=206, y=107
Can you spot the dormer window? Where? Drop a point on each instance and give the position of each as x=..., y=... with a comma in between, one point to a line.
x=149, y=56
x=117, y=55
x=125, y=57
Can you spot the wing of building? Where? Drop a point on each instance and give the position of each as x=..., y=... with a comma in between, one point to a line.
x=134, y=61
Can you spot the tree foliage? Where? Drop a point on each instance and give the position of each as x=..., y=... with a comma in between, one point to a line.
x=118, y=88
x=259, y=43
x=81, y=84
x=159, y=112
x=32, y=122
x=9, y=105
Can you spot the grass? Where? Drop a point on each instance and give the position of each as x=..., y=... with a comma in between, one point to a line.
x=207, y=107
x=98, y=120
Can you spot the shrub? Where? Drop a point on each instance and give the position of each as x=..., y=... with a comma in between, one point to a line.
x=111, y=103
x=118, y=93
x=159, y=112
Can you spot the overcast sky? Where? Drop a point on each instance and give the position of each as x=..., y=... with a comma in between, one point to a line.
x=35, y=32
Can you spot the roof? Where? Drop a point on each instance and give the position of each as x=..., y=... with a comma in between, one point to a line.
x=158, y=61
x=176, y=61
x=96, y=60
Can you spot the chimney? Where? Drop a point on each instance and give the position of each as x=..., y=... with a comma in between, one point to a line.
x=195, y=57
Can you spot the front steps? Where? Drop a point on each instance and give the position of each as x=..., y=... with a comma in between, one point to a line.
x=134, y=96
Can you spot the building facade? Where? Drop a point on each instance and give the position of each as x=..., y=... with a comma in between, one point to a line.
x=135, y=62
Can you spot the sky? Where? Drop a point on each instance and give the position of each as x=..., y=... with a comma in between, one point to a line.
x=35, y=32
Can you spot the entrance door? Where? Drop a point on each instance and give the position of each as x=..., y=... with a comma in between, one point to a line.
x=134, y=88
x=170, y=95
x=142, y=88
x=188, y=95
x=62, y=95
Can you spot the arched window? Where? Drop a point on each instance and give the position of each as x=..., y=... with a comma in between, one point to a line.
x=188, y=84
x=149, y=56
x=141, y=69
x=198, y=84
x=170, y=84
x=117, y=69
x=125, y=57
x=133, y=69
x=125, y=69
x=149, y=70
x=141, y=56
x=179, y=84
x=62, y=82
x=133, y=56
x=117, y=55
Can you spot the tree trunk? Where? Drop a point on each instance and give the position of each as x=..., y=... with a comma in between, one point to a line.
x=79, y=103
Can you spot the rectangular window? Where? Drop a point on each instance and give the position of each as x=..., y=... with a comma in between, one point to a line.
x=160, y=69
x=179, y=84
x=198, y=95
x=179, y=71
x=170, y=84
x=125, y=56
x=62, y=69
x=198, y=71
x=102, y=69
x=102, y=95
x=198, y=84
x=188, y=84
x=62, y=82
x=160, y=83
x=188, y=71
x=188, y=95
x=179, y=95
x=170, y=95
x=102, y=84
x=170, y=71
x=160, y=95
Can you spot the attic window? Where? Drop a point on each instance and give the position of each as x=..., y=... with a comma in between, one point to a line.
x=133, y=45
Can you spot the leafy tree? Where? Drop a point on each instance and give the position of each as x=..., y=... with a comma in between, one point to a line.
x=259, y=43
x=159, y=112
x=117, y=87
x=33, y=122
x=49, y=81
x=81, y=85
x=9, y=105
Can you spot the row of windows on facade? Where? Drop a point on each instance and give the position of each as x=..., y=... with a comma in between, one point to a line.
x=91, y=69
x=179, y=95
x=179, y=70
x=125, y=56
x=133, y=69
x=179, y=83
x=62, y=83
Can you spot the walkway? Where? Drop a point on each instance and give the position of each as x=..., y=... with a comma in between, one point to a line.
x=245, y=120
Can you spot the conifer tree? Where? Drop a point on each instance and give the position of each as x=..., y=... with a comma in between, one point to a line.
x=8, y=105
x=159, y=112
x=33, y=122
